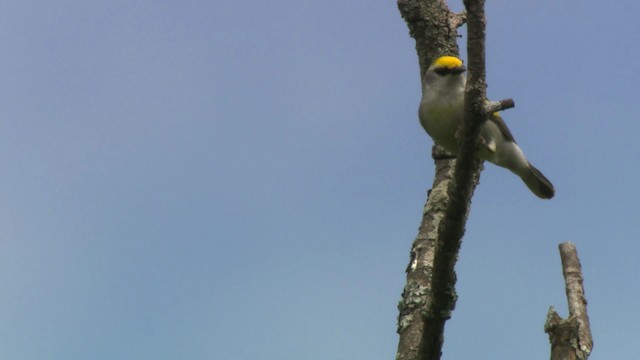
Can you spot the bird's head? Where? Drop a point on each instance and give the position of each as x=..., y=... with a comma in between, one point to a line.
x=445, y=76
x=447, y=65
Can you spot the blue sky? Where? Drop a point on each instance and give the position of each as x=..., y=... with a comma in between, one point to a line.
x=243, y=180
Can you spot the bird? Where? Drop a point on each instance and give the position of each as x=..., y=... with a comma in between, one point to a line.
x=441, y=113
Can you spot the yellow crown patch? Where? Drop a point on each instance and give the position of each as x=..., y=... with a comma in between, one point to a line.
x=448, y=62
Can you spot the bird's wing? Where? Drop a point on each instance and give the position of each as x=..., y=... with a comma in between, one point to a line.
x=497, y=119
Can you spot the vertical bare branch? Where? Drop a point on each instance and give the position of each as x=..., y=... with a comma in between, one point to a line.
x=571, y=338
x=467, y=165
x=429, y=296
x=434, y=27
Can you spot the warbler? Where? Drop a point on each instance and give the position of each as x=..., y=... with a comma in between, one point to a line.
x=441, y=113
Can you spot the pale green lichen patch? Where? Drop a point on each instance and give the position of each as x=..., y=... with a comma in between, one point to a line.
x=413, y=297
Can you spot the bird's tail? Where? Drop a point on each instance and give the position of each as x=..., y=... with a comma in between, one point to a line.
x=537, y=183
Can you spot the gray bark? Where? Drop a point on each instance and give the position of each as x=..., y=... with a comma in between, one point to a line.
x=434, y=27
x=570, y=338
x=429, y=295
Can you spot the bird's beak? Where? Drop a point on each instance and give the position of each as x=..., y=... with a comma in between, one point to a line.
x=458, y=70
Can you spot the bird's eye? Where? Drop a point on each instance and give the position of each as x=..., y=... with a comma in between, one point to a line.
x=443, y=71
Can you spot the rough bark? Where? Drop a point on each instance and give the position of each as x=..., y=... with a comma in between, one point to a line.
x=429, y=295
x=434, y=27
x=570, y=338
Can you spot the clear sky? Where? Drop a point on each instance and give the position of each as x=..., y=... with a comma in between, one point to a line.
x=243, y=179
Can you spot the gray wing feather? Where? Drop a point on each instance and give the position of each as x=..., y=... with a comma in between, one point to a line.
x=497, y=119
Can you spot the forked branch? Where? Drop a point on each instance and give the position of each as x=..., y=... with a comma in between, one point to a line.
x=570, y=338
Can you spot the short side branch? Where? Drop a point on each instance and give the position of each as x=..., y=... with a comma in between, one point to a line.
x=459, y=19
x=495, y=106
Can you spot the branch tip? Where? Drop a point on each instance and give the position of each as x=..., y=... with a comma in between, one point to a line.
x=459, y=19
x=495, y=106
x=570, y=338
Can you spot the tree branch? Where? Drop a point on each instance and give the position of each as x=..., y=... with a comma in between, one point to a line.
x=494, y=106
x=434, y=27
x=429, y=296
x=571, y=338
x=460, y=193
x=458, y=20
